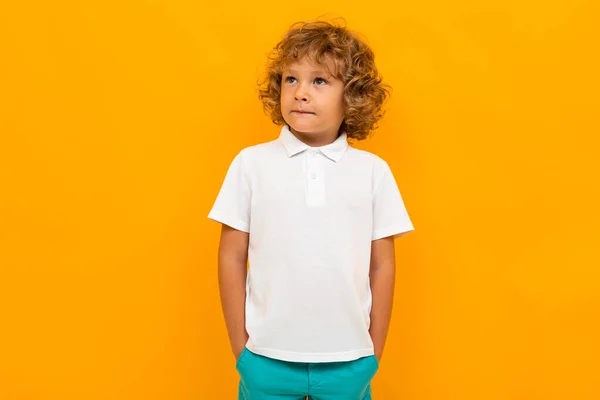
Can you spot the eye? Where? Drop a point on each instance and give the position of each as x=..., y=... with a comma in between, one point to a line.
x=288, y=79
x=320, y=79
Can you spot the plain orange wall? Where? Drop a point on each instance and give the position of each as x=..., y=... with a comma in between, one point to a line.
x=118, y=121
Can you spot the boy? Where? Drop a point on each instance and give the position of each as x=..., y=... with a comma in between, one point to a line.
x=316, y=220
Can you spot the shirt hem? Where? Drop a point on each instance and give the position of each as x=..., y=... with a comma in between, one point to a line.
x=311, y=357
x=223, y=218
x=393, y=231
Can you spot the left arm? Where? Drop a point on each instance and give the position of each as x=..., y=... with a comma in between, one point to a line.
x=382, y=276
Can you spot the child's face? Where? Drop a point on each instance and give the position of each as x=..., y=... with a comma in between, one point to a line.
x=308, y=87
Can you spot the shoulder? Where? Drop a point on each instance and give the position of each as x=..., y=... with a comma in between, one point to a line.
x=258, y=151
x=369, y=160
x=248, y=157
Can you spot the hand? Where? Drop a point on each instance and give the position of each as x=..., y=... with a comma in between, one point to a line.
x=377, y=347
x=378, y=353
x=237, y=351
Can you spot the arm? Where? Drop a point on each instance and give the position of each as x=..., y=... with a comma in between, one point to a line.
x=233, y=256
x=382, y=276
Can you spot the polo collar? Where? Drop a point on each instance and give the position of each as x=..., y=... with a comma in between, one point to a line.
x=293, y=145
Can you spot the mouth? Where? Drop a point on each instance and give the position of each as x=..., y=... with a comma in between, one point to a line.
x=302, y=112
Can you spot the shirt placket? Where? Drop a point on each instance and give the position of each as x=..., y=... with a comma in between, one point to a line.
x=315, y=178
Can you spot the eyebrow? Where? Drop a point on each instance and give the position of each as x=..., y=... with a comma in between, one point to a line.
x=314, y=72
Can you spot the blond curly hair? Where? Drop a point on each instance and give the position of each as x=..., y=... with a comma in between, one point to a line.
x=364, y=92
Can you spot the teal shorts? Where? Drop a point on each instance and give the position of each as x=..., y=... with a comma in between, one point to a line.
x=264, y=378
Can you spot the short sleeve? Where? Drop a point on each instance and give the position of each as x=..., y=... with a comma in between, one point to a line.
x=390, y=217
x=232, y=205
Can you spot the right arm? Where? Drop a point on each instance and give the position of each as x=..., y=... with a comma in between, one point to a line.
x=233, y=256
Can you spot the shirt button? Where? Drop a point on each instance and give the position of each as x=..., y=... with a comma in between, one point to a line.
x=313, y=176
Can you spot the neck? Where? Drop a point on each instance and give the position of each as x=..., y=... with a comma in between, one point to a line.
x=316, y=139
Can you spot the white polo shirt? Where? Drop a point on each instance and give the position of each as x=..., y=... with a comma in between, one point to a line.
x=311, y=214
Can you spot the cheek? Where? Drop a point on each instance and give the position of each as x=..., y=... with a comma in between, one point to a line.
x=337, y=105
x=285, y=96
x=283, y=101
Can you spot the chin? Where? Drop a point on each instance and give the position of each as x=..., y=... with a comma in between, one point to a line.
x=303, y=128
x=300, y=124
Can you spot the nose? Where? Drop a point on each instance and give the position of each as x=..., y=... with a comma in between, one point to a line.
x=300, y=94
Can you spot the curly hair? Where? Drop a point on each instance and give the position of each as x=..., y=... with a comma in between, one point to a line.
x=364, y=92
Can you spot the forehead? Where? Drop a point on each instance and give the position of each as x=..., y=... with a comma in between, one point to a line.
x=307, y=65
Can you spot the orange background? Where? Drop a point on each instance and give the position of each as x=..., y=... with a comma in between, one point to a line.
x=118, y=121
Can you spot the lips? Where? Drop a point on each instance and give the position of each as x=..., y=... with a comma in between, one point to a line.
x=302, y=112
